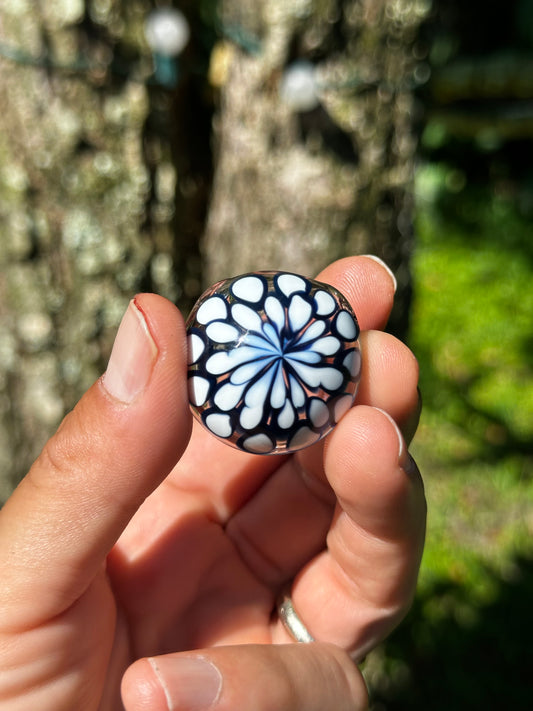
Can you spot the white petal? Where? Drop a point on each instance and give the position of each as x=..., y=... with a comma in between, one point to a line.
x=286, y=417
x=297, y=393
x=303, y=438
x=331, y=378
x=300, y=312
x=228, y=396
x=221, y=332
x=345, y=326
x=272, y=335
x=307, y=356
x=315, y=330
x=224, y=361
x=290, y=283
x=219, y=424
x=328, y=377
x=275, y=312
x=352, y=363
x=198, y=390
x=279, y=389
x=246, y=317
x=342, y=406
x=257, y=394
x=318, y=412
x=259, y=444
x=195, y=348
x=327, y=346
x=310, y=376
x=325, y=303
x=249, y=288
x=211, y=310
x=248, y=371
x=250, y=417
x=261, y=344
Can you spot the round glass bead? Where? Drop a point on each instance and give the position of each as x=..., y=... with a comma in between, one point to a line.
x=274, y=361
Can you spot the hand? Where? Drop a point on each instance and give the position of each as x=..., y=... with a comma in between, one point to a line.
x=132, y=542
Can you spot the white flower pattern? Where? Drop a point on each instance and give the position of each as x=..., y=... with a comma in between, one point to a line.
x=274, y=361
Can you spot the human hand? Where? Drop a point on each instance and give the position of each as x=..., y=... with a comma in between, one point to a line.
x=117, y=562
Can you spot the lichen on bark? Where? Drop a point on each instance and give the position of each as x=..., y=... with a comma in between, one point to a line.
x=73, y=193
x=295, y=190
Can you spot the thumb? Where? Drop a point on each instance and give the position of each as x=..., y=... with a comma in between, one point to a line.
x=109, y=453
x=313, y=677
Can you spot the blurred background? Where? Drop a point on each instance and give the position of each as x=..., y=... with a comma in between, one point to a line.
x=162, y=145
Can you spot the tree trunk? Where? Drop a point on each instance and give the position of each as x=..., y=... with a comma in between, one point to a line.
x=105, y=176
x=297, y=189
x=86, y=207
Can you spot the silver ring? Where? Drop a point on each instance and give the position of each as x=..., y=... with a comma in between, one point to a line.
x=290, y=619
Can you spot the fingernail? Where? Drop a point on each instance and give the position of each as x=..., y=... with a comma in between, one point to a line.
x=189, y=683
x=132, y=358
x=403, y=454
x=405, y=461
x=410, y=426
x=385, y=266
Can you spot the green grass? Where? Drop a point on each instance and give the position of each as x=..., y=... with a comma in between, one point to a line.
x=465, y=644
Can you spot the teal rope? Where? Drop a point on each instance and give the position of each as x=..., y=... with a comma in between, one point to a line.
x=14, y=54
x=81, y=66
x=165, y=75
x=242, y=38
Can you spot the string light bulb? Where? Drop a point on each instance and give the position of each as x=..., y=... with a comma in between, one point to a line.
x=167, y=31
x=298, y=86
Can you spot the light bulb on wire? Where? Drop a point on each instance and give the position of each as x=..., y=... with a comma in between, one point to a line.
x=298, y=86
x=167, y=33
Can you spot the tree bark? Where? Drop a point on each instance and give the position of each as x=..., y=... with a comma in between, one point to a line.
x=296, y=190
x=85, y=215
x=105, y=176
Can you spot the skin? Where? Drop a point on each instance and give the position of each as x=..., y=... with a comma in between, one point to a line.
x=140, y=549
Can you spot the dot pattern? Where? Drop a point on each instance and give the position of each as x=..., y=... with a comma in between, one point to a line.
x=274, y=361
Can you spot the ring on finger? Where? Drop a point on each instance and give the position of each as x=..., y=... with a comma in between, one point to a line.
x=291, y=620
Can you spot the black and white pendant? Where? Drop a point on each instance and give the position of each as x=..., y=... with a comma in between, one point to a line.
x=274, y=361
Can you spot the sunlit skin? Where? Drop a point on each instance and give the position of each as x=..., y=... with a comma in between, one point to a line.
x=133, y=538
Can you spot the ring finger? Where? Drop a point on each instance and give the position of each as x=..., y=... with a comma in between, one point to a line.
x=286, y=522
x=354, y=592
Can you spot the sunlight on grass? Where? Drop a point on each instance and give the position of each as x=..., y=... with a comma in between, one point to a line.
x=472, y=332
x=461, y=646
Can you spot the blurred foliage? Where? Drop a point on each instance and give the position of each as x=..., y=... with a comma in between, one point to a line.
x=460, y=653
x=465, y=643
x=473, y=328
